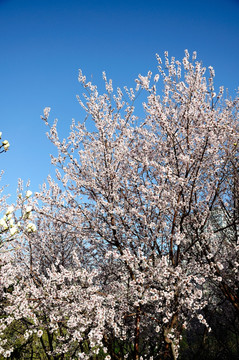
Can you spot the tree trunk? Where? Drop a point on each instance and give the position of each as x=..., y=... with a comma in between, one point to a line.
x=136, y=340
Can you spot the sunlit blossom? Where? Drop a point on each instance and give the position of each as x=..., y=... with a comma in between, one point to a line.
x=6, y=145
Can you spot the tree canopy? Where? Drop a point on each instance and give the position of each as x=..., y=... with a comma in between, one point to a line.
x=136, y=240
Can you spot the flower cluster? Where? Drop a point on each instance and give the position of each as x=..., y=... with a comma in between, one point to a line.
x=5, y=144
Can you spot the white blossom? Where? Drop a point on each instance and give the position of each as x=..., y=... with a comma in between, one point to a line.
x=39, y=333
x=10, y=209
x=6, y=145
x=28, y=193
x=31, y=227
x=13, y=230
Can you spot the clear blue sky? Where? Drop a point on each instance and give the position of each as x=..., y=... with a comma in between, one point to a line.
x=43, y=43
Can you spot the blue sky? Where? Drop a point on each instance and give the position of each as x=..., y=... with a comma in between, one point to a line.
x=43, y=43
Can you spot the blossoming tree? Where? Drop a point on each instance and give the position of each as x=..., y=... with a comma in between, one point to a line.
x=125, y=242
